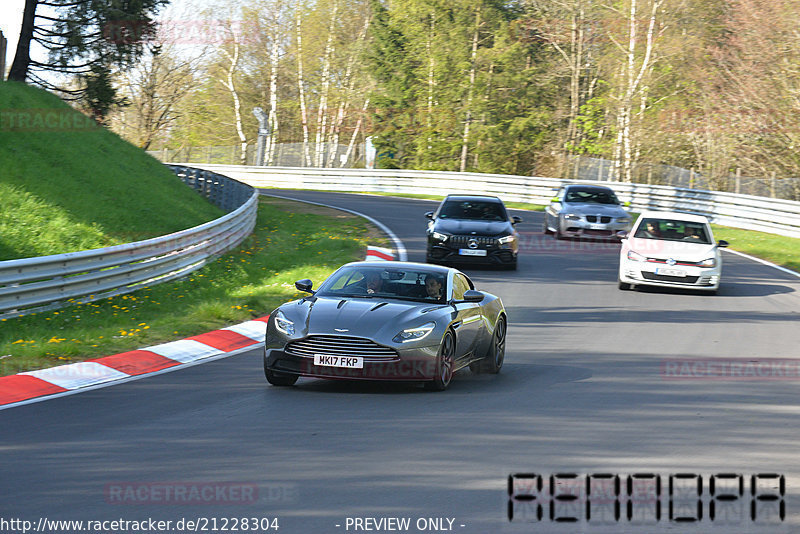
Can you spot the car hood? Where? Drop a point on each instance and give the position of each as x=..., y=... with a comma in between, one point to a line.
x=678, y=250
x=593, y=208
x=362, y=317
x=467, y=227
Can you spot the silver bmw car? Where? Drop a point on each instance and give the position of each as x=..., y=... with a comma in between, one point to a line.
x=586, y=211
x=397, y=321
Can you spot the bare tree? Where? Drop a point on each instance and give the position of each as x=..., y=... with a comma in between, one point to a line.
x=153, y=89
x=231, y=51
x=570, y=27
x=633, y=83
x=322, y=111
x=348, y=81
x=471, y=89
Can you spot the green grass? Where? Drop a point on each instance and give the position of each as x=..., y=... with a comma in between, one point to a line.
x=290, y=242
x=69, y=186
x=783, y=251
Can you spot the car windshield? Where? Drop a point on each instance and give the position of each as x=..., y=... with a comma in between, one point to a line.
x=595, y=195
x=473, y=210
x=420, y=285
x=674, y=230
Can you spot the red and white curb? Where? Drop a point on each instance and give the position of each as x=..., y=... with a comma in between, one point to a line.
x=379, y=254
x=64, y=379
x=32, y=386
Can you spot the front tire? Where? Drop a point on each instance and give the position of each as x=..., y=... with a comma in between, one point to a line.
x=493, y=361
x=278, y=379
x=624, y=286
x=445, y=362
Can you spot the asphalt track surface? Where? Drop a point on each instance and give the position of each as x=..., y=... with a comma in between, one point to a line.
x=589, y=387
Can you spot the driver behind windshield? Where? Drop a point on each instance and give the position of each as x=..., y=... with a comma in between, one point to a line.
x=433, y=286
x=372, y=282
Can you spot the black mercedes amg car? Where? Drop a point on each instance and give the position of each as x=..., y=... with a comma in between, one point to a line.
x=472, y=229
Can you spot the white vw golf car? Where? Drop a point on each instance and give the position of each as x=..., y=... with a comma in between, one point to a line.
x=670, y=249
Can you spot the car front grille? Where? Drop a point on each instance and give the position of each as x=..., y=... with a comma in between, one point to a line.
x=664, y=278
x=462, y=241
x=603, y=219
x=341, y=346
x=677, y=262
x=587, y=231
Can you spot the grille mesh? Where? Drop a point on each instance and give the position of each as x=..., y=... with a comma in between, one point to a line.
x=341, y=346
x=664, y=278
x=462, y=240
x=603, y=219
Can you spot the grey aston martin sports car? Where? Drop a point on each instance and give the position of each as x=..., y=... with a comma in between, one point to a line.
x=399, y=321
x=586, y=211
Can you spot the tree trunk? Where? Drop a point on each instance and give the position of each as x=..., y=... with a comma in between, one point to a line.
x=322, y=113
x=302, y=91
x=237, y=107
x=273, y=101
x=349, y=84
x=353, y=138
x=22, y=57
x=431, y=79
x=470, y=92
x=633, y=84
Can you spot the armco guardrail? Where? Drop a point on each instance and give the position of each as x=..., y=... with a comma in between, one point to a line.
x=43, y=283
x=740, y=211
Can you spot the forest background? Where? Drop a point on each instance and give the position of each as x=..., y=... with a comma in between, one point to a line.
x=525, y=87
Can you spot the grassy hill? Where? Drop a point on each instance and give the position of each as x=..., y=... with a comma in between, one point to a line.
x=67, y=185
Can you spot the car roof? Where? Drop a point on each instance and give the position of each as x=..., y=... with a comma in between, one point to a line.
x=676, y=215
x=402, y=265
x=484, y=198
x=591, y=187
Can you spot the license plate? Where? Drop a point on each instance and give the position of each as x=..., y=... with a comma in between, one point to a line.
x=670, y=272
x=597, y=227
x=472, y=252
x=329, y=360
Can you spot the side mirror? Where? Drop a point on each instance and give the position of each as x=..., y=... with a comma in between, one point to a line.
x=515, y=219
x=304, y=285
x=555, y=199
x=622, y=234
x=722, y=243
x=472, y=295
x=627, y=203
x=429, y=215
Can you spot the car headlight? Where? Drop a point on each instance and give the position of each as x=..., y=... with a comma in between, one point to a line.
x=439, y=237
x=572, y=217
x=624, y=220
x=507, y=239
x=414, y=334
x=708, y=262
x=635, y=256
x=283, y=324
